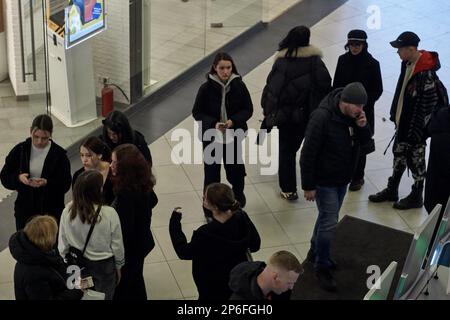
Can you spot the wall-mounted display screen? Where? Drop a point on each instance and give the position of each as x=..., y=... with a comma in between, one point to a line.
x=84, y=18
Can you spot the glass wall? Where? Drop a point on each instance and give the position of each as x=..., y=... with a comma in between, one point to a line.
x=184, y=32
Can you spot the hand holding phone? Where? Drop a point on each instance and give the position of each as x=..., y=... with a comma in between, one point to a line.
x=361, y=119
x=221, y=126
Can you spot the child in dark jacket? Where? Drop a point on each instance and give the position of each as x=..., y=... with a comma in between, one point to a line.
x=216, y=247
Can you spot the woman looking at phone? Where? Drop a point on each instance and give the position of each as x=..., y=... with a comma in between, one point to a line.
x=223, y=106
x=39, y=170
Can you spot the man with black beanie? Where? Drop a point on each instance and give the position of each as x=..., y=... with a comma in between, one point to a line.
x=333, y=137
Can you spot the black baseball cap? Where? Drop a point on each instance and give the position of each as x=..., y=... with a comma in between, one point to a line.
x=406, y=39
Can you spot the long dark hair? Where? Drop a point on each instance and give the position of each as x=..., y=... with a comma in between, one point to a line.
x=97, y=146
x=221, y=196
x=117, y=122
x=134, y=173
x=296, y=37
x=223, y=56
x=86, y=192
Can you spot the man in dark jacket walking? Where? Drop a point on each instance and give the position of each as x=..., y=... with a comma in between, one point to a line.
x=328, y=158
x=260, y=281
x=415, y=96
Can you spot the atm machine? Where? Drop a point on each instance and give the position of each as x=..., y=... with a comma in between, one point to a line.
x=71, y=75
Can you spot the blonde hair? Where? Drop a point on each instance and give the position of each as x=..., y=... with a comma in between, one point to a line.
x=285, y=260
x=42, y=232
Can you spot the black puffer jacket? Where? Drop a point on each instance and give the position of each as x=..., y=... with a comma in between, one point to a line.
x=39, y=275
x=45, y=200
x=365, y=69
x=295, y=83
x=138, y=141
x=215, y=248
x=238, y=104
x=420, y=97
x=331, y=145
x=437, y=183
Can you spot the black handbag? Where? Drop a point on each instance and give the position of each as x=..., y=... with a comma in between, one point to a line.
x=76, y=256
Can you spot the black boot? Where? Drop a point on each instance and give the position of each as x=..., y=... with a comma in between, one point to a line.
x=388, y=194
x=326, y=279
x=413, y=200
x=311, y=257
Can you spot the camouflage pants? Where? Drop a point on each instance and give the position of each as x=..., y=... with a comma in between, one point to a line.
x=411, y=156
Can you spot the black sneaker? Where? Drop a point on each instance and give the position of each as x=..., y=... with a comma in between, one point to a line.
x=356, y=185
x=290, y=196
x=326, y=280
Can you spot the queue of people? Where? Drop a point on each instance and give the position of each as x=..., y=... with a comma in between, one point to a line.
x=108, y=222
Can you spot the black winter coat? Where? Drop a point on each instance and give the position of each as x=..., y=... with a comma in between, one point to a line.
x=420, y=97
x=135, y=214
x=138, y=141
x=437, y=182
x=331, y=145
x=39, y=275
x=44, y=200
x=238, y=104
x=365, y=69
x=108, y=194
x=295, y=86
x=215, y=248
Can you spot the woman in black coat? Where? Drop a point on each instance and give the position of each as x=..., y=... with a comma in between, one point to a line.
x=117, y=130
x=295, y=86
x=437, y=182
x=39, y=170
x=358, y=65
x=223, y=102
x=133, y=184
x=96, y=155
x=216, y=247
x=40, y=272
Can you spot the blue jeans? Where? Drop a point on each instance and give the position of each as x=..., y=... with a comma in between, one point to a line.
x=329, y=202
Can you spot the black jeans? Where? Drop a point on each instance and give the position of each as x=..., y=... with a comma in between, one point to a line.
x=132, y=285
x=290, y=139
x=234, y=167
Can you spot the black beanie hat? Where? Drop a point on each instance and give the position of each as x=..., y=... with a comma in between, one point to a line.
x=354, y=93
x=357, y=35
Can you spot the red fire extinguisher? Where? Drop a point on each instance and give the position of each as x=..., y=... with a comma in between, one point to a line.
x=107, y=99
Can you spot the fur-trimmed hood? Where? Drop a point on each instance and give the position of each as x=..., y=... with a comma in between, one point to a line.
x=301, y=52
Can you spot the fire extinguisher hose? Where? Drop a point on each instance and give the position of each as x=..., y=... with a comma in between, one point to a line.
x=120, y=89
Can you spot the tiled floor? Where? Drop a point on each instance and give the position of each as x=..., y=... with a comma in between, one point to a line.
x=284, y=225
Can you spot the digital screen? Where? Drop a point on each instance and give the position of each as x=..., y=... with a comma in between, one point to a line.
x=84, y=18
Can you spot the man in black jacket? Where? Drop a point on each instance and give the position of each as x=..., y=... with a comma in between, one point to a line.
x=415, y=97
x=259, y=281
x=333, y=137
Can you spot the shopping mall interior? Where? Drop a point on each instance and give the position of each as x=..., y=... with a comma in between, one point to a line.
x=155, y=54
